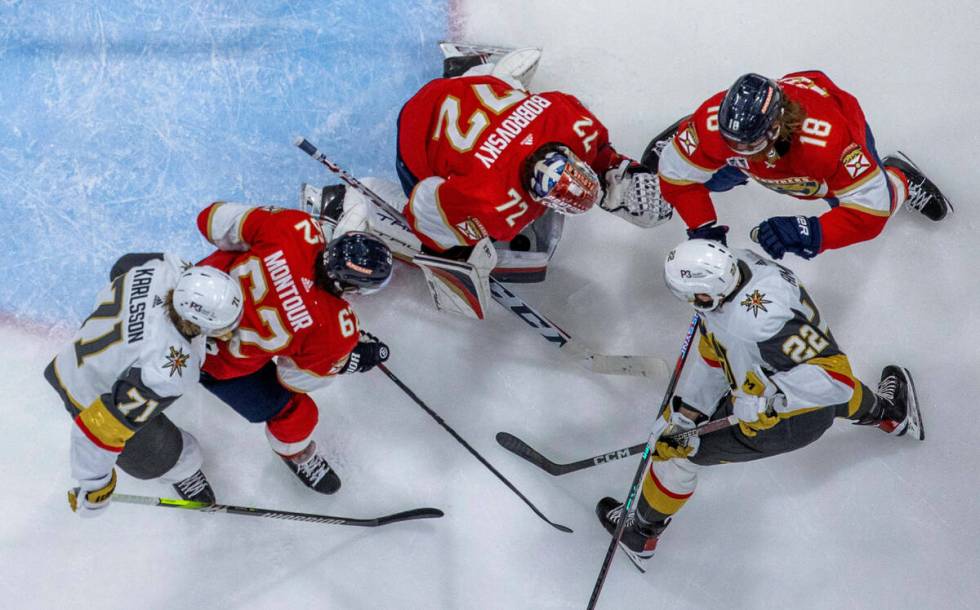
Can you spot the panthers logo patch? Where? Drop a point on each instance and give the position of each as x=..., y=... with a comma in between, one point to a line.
x=855, y=161
x=688, y=140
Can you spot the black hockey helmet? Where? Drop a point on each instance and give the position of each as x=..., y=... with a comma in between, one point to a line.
x=747, y=118
x=355, y=262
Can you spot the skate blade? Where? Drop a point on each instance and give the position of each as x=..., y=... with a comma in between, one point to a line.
x=915, y=427
x=636, y=559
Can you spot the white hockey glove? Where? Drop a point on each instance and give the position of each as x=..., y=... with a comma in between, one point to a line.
x=91, y=497
x=756, y=403
x=633, y=194
x=676, y=422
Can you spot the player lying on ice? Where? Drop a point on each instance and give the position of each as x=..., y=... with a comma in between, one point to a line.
x=766, y=356
x=801, y=136
x=297, y=332
x=483, y=160
x=138, y=352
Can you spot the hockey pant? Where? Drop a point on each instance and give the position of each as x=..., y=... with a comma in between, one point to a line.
x=158, y=450
x=289, y=417
x=669, y=483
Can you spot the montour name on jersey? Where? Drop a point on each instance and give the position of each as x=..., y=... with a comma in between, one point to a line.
x=292, y=303
x=138, y=292
x=510, y=128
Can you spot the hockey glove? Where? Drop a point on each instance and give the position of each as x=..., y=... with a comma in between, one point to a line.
x=797, y=234
x=633, y=193
x=369, y=353
x=755, y=403
x=91, y=498
x=676, y=422
x=710, y=231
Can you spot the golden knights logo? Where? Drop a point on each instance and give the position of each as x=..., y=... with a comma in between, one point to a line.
x=755, y=303
x=176, y=361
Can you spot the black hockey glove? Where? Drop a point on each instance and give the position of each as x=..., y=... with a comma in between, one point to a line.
x=710, y=231
x=369, y=353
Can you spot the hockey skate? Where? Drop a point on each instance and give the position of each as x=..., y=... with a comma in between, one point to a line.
x=313, y=470
x=924, y=196
x=651, y=156
x=195, y=488
x=897, y=408
x=519, y=64
x=638, y=541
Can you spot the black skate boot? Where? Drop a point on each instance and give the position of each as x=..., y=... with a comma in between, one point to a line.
x=195, y=488
x=639, y=540
x=313, y=470
x=896, y=409
x=651, y=156
x=924, y=195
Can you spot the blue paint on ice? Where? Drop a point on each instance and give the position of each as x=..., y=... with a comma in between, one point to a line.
x=121, y=119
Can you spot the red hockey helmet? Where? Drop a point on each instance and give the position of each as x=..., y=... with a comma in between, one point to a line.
x=558, y=179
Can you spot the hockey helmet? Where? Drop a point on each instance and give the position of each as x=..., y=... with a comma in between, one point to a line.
x=701, y=267
x=747, y=118
x=209, y=298
x=558, y=179
x=358, y=262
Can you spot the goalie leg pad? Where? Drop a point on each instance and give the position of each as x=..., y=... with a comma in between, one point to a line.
x=460, y=287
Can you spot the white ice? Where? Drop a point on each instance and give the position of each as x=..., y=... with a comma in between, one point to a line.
x=857, y=520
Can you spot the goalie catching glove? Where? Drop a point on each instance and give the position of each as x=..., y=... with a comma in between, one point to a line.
x=756, y=403
x=91, y=498
x=633, y=194
x=369, y=353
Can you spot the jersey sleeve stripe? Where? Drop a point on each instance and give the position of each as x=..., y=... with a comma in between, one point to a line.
x=429, y=217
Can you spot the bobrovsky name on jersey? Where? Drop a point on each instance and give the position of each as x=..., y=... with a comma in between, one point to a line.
x=292, y=302
x=510, y=129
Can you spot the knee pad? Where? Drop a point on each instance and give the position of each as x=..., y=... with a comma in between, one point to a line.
x=153, y=450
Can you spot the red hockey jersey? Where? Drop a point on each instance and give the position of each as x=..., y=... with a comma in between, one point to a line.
x=272, y=251
x=465, y=139
x=830, y=157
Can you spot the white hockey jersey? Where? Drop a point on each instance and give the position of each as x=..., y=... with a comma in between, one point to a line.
x=126, y=364
x=770, y=322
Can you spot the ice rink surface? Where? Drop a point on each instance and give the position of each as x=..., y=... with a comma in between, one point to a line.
x=122, y=119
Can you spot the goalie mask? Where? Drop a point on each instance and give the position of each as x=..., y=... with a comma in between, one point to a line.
x=558, y=179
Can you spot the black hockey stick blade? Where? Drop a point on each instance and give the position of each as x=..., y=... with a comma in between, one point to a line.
x=521, y=449
x=408, y=515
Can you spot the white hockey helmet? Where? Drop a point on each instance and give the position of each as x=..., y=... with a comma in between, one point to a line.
x=209, y=298
x=701, y=266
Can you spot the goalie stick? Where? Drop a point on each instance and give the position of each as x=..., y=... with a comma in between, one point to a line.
x=408, y=515
x=606, y=364
x=521, y=449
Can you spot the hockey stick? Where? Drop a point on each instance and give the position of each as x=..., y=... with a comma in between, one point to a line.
x=408, y=391
x=606, y=364
x=521, y=449
x=408, y=515
x=651, y=440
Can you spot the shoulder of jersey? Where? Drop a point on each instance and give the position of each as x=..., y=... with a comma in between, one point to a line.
x=822, y=111
x=764, y=304
x=702, y=130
